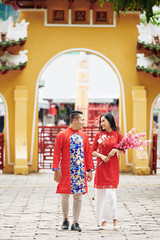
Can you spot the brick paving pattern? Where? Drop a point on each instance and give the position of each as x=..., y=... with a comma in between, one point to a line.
x=30, y=209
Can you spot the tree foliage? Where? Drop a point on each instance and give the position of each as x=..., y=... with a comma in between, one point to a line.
x=133, y=5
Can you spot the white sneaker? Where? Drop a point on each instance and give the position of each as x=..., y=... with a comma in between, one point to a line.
x=116, y=227
x=101, y=227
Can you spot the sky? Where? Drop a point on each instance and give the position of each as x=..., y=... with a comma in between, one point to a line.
x=61, y=78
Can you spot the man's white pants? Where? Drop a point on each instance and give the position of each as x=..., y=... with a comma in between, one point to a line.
x=106, y=205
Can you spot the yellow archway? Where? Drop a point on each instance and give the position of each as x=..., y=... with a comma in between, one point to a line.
x=111, y=64
x=45, y=43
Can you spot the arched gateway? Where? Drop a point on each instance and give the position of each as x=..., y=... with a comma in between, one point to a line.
x=123, y=108
x=56, y=28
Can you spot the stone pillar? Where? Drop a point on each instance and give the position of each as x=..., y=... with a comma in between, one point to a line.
x=20, y=98
x=82, y=86
x=140, y=159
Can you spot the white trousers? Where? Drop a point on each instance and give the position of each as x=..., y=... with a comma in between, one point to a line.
x=77, y=203
x=106, y=205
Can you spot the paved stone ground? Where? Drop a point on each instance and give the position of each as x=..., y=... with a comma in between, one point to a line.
x=30, y=209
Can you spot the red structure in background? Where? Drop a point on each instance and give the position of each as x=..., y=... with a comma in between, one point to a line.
x=1, y=150
x=154, y=149
x=47, y=134
x=52, y=109
x=16, y=4
x=96, y=110
x=46, y=140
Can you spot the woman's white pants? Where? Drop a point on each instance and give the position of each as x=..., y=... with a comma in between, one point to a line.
x=106, y=205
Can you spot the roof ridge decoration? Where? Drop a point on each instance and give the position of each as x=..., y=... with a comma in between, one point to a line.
x=150, y=64
x=12, y=62
x=149, y=36
x=12, y=34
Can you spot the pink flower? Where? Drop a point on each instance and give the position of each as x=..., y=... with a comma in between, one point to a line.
x=133, y=141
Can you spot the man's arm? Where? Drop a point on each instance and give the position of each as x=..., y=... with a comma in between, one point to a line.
x=57, y=152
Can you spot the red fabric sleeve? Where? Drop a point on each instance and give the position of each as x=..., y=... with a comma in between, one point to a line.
x=57, y=151
x=95, y=143
x=120, y=136
x=88, y=156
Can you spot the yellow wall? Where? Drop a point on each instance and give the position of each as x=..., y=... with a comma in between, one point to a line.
x=118, y=44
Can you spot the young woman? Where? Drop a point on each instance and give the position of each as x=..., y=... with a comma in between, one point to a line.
x=107, y=174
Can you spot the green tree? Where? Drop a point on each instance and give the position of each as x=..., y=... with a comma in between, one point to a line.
x=133, y=5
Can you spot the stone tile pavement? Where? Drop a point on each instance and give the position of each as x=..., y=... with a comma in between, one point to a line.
x=30, y=209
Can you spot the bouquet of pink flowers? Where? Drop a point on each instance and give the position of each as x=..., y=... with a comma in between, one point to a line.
x=132, y=140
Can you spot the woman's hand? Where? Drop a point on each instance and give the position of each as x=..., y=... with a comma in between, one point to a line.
x=112, y=153
x=104, y=158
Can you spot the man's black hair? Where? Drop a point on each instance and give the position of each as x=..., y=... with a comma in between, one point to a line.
x=75, y=114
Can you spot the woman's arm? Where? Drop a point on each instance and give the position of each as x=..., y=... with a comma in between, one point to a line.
x=115, y=151
x=103, y=157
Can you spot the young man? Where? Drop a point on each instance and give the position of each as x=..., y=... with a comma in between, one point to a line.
x=72, y=158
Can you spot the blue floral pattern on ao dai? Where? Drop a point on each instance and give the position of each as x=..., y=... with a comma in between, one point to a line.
x=77, y=164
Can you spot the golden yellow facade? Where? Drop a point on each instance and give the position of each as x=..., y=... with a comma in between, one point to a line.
x=21, y=98
x=116, y=45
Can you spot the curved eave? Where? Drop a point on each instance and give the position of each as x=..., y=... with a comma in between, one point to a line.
x=5, y=45
x=155, y=72
x=148, y=46
x=16, y=4
x=5, y=69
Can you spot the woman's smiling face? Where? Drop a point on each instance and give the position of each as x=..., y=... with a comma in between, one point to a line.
x=105, y=124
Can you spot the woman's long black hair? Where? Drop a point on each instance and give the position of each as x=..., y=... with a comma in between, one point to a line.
x=111, y=120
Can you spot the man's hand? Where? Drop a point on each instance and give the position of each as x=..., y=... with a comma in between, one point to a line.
x=57, y=176
x=89, y=176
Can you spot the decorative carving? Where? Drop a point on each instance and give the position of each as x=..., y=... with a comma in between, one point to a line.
x=58, y=15
x=15, y=59
x=149, y=38
x=149, y=64
x=19, y=31
x=146, y=62
x=9, y=32
x=11, y=62
x=80, y=16
x=149, y=33
x=101, y=16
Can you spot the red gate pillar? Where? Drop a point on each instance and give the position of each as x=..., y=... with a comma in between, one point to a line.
x=1, y=150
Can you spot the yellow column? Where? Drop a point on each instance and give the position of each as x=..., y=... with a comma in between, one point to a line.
x=140, y=159
x=82, y=86
x=20, y=98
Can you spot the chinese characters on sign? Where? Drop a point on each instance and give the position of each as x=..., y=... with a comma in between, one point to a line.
x=80, y=16
x=58, y=15
x=101, y=17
